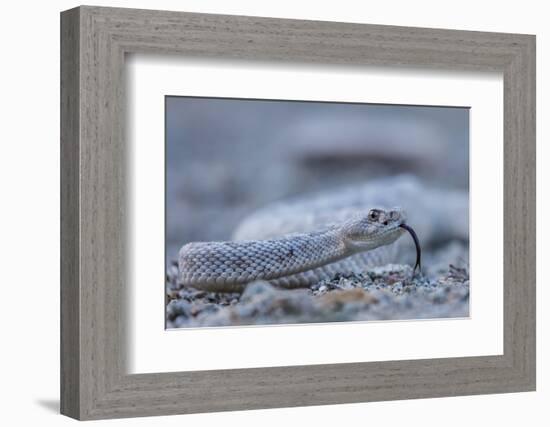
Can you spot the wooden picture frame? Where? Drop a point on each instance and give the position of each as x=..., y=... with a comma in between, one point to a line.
x=94, y=41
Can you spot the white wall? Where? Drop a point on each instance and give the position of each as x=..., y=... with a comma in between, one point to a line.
x=29, y=229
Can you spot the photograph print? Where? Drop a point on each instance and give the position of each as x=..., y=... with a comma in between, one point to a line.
x=291, y=212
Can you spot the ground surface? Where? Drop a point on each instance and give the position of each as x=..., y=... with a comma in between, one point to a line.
x=388, y=292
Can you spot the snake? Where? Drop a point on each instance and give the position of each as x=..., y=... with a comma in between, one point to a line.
x=298, y=242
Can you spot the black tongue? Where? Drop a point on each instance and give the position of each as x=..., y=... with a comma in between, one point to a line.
x=416, y=243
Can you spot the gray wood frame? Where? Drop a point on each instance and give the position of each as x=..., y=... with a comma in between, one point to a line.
x=94, y=41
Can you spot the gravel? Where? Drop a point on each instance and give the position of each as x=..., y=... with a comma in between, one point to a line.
x=389, y=292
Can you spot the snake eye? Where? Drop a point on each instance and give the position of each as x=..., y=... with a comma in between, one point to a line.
x=373, y=214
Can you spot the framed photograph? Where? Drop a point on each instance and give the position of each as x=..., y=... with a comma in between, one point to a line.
x=262, y=213
x=293, y=211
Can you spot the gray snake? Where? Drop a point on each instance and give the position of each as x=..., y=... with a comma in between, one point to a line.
x=297, y=243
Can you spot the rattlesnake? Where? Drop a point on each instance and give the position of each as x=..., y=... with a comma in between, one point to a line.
x=299, y=242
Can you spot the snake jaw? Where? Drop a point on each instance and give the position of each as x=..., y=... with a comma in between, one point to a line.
x=373, y=239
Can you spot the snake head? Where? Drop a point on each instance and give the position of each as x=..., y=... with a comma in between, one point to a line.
x=378, y=227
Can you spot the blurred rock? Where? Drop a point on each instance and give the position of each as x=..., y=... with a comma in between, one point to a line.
x=226, y=158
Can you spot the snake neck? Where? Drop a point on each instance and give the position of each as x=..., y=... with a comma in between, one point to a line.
x=307, y=251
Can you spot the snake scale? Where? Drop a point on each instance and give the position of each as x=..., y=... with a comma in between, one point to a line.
x=297, y=242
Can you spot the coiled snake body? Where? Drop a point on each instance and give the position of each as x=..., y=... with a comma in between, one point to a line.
x=297, y=243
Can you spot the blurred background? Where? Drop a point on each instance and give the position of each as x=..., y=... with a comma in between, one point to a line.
x=227, y=157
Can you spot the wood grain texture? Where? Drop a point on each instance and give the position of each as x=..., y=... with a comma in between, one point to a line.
x=70, y=292
x=94, y=270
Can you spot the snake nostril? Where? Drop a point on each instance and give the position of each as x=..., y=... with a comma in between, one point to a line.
x=385, y=222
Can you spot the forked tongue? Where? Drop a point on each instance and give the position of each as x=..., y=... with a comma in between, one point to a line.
x=416, y=243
